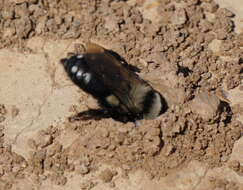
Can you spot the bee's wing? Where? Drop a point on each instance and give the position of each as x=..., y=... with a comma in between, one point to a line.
x=123, y=83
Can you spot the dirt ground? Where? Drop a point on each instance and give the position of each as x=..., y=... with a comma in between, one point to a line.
x=189, y=50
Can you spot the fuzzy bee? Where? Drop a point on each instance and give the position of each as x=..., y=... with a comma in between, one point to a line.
x=103, y=74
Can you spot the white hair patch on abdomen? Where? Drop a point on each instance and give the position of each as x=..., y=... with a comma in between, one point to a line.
x=155, y=108
x=74, y=69
x=80, y=56
x=87, y=77
x=79, y=74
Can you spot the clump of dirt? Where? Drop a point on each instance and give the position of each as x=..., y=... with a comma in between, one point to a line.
x=125, y=147
x=107, y=175
x=204, y=141
x=3, y=112
x=223, y=184
x=174, y=53
x=235, y=165
x=12, y=165
x=48, y=159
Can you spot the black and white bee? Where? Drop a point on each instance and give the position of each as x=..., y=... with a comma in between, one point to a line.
x=118, y=90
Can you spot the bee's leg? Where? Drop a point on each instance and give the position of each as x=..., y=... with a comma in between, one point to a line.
x=74, y=118
x=80, y=116
x=117, y=56
x=123, y=61
x=95, y=114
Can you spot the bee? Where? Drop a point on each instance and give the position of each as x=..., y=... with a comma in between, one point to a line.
x=120, y=91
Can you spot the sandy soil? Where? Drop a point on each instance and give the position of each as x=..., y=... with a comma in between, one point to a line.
x=191, y=51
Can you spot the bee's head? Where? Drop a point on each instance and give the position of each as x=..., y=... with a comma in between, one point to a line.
x=72, y=63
